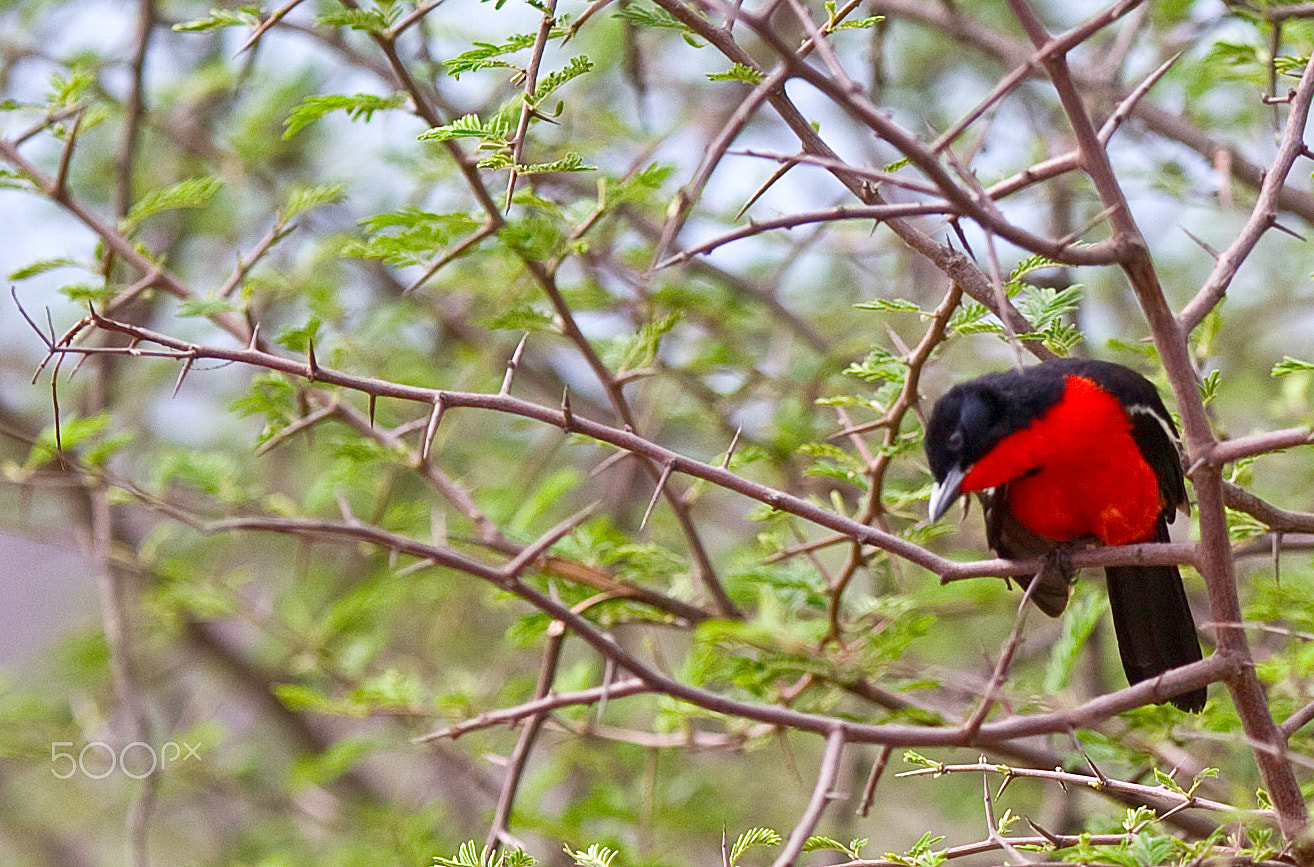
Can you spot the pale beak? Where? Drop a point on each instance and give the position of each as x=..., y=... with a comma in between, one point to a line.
x=946, y=492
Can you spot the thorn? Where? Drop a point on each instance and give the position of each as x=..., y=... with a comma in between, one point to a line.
x=567, y=417
x=255, y=336
x=59, y=437
x=761, y=191
x=434, y=418
x=1210, y=250
x=182, y=374
x=1072, y=237
x=657, y=492
x=734, y=441
x=1053, y=839
x=609, y=462
x=1090, y=763
x=512, y=365
x=312, y=366
x=962, y=238
x=532, y=552
x=13, y=292
x=373, y=399
x=1292, y=232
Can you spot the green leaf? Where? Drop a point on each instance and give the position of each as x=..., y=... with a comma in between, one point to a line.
x=207, y=305
x=1031, y=263
x=912, y=757
x=244, y=16
x=751, y=838
x=486, y=54
x=191, y=193
x=73, y=432
x=1209, y=386
x=212, y=473
x=302, y=199
x=880, y=365
x=1166, y=782
x=974, y=318
x=12, y=180
x=1289, y=365
x=83, y=292
x=42, y=266
x=860, y=23
x=1293, y=65
x=299, y=339
x=650, y=16
x=571, y=162
x=422, y=234
x=523, y=318
x=469, y=855
x=296, y=697
x=373, y=20
x=1152, y=849
x=554, y=80
x=738, y=72
x=1083, y=615
x=360, y=106
x=388, y=689
x=595, y=856
x=68, y=90
x=896, y=305
x=1042, y=306
x=817, y=843
x=1242, y=526
x=323, y=767
x=470, y=126
x=640, y=350
x=551, y=490
x=518, y=858
x=921, y=854
x=499, y=160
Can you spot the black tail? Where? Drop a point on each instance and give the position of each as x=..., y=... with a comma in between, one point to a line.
x=1153, y=622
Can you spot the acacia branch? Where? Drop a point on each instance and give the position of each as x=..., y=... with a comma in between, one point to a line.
x=1216, y=562
x=660, y=456
x=1263, y=216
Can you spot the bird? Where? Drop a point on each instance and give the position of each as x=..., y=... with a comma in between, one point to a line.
x=1067, y=452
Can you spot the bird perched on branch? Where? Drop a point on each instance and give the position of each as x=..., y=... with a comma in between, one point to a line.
x=1073, y=451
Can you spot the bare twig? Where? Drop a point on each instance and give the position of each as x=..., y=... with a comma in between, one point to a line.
x=822, y=795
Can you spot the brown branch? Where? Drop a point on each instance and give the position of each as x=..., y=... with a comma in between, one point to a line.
x=968, y=31
x=1276, y=519
x=632, y=442
x=1161, y=795
x=821, y=798
x=500, y=827
x=839, y=213
x=1216, y=562
x=1264, y=214
x=1259, y=444
x=122, y=247
x=538, y=705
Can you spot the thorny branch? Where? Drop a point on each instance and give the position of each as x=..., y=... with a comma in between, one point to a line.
x=934, y=182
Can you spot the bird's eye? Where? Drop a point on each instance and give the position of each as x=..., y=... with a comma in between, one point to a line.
x=956, y=441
